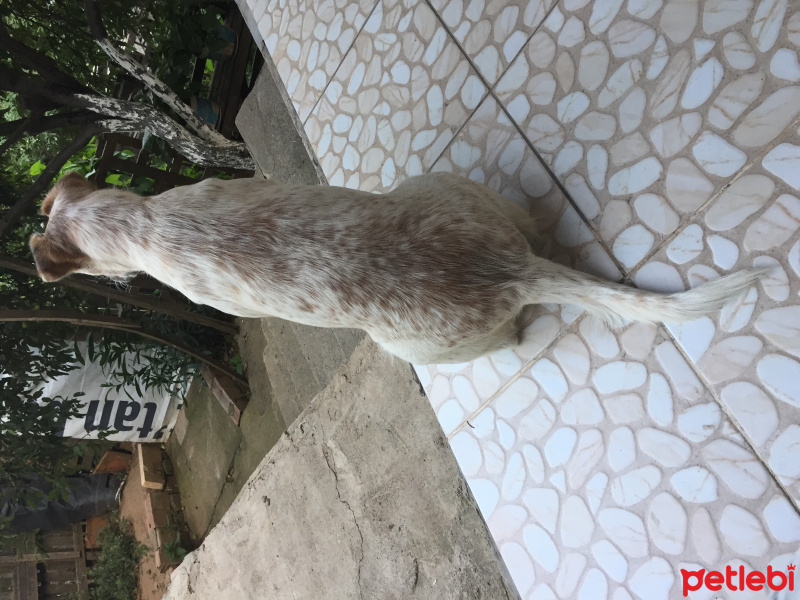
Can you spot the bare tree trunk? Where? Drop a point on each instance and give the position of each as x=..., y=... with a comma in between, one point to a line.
x=161, y=90
x=131, y=117
x=155, y=85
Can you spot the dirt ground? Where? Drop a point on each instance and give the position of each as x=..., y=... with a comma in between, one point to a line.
x=152, y=583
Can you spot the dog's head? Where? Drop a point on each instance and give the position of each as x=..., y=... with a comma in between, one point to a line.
x=55, y=254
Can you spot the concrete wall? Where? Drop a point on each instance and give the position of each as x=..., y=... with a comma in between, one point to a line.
x=361, y=498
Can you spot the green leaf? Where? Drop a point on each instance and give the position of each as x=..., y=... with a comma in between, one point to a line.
x=114, y=179
x=78, y=355
x=37, y=168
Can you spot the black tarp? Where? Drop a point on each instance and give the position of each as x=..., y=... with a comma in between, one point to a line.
x=88, y=496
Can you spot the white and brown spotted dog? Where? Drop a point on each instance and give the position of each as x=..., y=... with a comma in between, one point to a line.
x=437, y=270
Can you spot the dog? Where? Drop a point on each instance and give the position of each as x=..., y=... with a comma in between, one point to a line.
x=439, y=270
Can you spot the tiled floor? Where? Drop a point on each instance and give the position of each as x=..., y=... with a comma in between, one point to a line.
x=660, y=140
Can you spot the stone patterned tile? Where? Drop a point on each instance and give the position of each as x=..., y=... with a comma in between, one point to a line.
x=396, y=102
x=493, y=32
x=656, y=108
x=307, y=40
x=750, y=352
x=608, y=486
x=490, y=150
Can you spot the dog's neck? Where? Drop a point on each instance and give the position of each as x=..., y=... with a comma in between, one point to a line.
x=111, y=226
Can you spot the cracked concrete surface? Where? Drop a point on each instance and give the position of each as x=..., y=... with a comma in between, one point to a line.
x=361, y=498
x=327, y=452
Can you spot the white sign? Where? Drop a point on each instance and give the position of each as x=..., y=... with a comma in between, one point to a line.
x=148, y=418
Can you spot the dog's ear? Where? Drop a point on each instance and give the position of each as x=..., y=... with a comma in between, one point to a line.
x=70, y=187
x=54, y=262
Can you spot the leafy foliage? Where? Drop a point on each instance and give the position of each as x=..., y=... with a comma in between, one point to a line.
x=114, y=575
x=18, y=160
x=170, y=32
x=32, y=352
x=30, y=423
x=174, y=549
x=166, y=36
x=130, y=362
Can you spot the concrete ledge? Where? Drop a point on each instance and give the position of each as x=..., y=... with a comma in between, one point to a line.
x=271, y=129
x=361, y=498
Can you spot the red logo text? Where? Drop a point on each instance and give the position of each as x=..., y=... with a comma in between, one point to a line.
x=737, y=579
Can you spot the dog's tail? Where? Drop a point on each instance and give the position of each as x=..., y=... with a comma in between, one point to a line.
x=613, y=302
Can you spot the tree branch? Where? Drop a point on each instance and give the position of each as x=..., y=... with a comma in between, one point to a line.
x=139, y=117
x=66, y=316
x=46, y=177
x=50, y=122
x=117, y=323
x=132, y=117
x=87, y=284
x=29, y=87
x=154, y=84
x=45, y=66
x=17, y=134
x=195, y=150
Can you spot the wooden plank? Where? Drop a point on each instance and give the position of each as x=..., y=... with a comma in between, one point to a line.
x=34, y=558
x=150, y=468
x=57, y=541
x=176, y=163
x=226, y=392
x=28, y=580
x=121, y=139
x=113, y=461
x=19, y=593
x=7, y=587
x=93, y=528
x=236, y=73
x=81, y=577
x=121, y=165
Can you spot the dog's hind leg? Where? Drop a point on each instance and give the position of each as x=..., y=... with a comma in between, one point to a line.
x=426, y=352
x=507, y=335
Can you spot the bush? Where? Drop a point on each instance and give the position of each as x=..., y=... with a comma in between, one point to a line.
x=114, y=575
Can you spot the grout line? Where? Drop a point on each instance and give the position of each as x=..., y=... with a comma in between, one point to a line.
x=339, y=66
x=487, y=93
x=694, y=218
x=469, y=58
x=472, y=65
x=491, y=92
x=563, y=332
x=748, y=441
